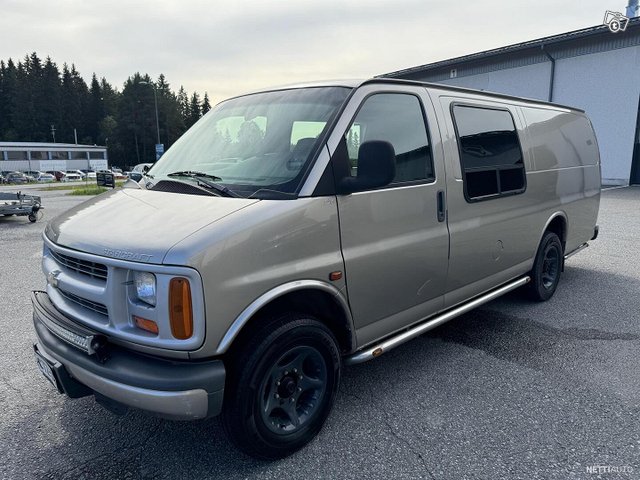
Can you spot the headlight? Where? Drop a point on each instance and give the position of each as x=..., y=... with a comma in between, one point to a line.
x=145, y=284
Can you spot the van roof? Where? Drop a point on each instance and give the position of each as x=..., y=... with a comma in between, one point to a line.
x=355, y=83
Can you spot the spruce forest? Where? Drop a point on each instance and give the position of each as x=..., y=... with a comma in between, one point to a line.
x=41, y=102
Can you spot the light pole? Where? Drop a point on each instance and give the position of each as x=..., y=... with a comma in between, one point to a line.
x=155, y=100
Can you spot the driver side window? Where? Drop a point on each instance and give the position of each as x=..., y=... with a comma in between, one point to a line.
x=398, y=119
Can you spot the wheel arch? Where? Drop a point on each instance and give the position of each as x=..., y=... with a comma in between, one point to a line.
x=559, y=224
x=314, y=297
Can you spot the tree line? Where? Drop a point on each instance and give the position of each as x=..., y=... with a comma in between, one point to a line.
x=41, y=103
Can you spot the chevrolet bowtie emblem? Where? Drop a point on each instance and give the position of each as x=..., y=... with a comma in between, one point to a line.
x=52, y=278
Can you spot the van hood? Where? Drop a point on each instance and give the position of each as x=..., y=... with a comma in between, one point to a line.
x=137, y=224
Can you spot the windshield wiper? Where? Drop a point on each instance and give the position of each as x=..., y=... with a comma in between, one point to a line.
x=207, y=180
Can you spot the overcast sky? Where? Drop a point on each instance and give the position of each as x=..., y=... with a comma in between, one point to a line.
x=230, y=47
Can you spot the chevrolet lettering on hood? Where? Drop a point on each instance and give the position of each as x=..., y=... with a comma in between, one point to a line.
x=124, y=255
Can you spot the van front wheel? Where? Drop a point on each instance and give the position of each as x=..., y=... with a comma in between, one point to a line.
x=546, y=268
x=282, y=386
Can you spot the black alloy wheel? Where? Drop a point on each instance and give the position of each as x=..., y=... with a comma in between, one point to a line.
x=282, y=382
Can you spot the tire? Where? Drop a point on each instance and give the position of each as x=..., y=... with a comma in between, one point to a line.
x=547, y=267
x=282, y=383
x=32, y=217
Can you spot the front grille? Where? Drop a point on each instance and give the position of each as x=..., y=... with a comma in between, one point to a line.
x=94, y=306
x=92, y=269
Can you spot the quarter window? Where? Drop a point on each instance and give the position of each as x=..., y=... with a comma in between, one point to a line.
x=398, y=119
x=490, y=152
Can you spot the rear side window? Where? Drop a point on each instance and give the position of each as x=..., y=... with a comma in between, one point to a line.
x=490, y=153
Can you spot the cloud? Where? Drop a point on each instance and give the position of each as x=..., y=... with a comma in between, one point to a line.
x=227, y=47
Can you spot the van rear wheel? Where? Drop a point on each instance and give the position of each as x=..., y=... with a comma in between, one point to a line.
x=282, y=386
x=547, y=267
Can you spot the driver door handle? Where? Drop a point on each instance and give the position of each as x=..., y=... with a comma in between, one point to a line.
x=442, y=209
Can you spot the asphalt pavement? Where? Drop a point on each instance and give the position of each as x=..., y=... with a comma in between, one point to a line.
x=513, y=390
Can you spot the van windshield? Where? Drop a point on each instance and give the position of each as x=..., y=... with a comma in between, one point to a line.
x=256, y=143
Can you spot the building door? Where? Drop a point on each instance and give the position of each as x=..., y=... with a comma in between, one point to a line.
x=634, y=178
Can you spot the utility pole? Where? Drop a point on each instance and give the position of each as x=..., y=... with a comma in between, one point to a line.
x=53, y=133
x=75, y=135
x=155, y=101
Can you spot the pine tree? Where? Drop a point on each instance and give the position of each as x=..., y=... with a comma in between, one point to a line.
x=206, y=106
x=95, y=112
x=50, y=109
x=183, y=101
x=194, y=110
x=9, y=91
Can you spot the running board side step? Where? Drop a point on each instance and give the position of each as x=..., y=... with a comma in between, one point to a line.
x=391, y=343
x=577, y=250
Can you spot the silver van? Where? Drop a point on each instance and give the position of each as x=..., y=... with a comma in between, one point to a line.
x=293, y=231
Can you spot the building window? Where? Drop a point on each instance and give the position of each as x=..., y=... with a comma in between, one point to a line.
x=398, y=119
x=17, y=155
x=96, y=155
x=75, y=155
x=59, y=155
x=490, y=153
x=39, y=156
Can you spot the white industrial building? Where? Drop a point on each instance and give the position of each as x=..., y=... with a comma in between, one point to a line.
x=31, y=156
x=593, y=69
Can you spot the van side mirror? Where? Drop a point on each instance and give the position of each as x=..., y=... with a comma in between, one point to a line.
x=376, y=167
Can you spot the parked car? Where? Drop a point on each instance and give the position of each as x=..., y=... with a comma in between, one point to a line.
x=71, y=176
x=223, y=290
x=117, y=172
x=32, y=175
x=82, y=173
x=56, y=173
x=46, y=178
x=16, y=177
x=138, y=170
x=89, y=174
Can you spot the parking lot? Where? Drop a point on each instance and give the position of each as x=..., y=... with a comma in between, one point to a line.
x=512, y=390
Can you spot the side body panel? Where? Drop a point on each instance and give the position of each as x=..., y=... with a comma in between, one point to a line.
x=566, y=168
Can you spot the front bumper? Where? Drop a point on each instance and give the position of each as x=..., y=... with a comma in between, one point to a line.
x=171, y=389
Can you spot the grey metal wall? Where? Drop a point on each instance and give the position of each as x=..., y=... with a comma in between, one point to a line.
x=606, y=84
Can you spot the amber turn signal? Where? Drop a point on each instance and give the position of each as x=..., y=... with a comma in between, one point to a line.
x=180, y=310
x=145, y=324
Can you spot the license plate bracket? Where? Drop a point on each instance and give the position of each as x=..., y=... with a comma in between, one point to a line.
x=48, y=370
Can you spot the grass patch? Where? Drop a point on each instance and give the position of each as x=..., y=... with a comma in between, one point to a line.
x=83, y=190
